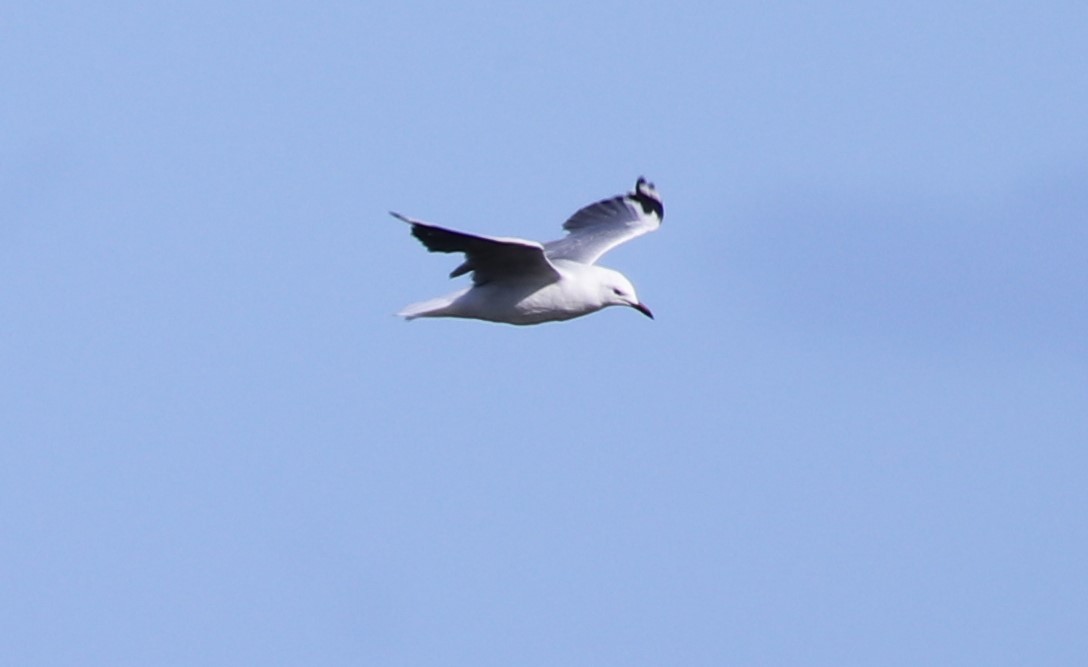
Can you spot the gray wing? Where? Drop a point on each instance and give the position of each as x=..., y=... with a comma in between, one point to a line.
x=599, y=227
x=487, y=257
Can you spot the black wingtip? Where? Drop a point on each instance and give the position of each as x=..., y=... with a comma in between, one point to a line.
x=646, y=195
x=437, y=239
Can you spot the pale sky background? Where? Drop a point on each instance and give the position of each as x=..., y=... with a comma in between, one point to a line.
x=856, y=433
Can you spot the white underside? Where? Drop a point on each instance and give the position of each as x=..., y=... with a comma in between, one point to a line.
x=519, y=302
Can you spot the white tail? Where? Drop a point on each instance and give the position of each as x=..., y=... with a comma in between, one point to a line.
x=438, y=307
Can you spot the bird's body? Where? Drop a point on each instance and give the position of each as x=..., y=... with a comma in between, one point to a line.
x=528, y=301
x=524, y=282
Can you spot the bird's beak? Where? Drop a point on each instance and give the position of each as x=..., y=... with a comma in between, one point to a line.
x=643, y=309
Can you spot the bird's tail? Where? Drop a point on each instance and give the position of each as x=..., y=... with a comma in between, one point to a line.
x=438, y=307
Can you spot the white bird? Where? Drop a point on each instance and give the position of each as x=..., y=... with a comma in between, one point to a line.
x=525, y=282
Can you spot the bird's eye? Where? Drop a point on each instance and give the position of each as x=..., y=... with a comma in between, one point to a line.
x=617, y=292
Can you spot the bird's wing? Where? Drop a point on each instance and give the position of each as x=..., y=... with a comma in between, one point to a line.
x=599, y=227
x=487, y=257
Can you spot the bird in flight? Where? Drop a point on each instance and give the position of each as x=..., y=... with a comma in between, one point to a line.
x=516, y=281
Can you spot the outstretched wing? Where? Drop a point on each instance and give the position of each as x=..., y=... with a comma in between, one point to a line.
x=599, y=227
x=487, y=257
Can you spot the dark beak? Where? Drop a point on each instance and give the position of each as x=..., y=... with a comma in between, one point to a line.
x=643, y=309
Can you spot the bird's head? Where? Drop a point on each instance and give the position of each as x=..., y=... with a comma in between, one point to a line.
x=617, y=290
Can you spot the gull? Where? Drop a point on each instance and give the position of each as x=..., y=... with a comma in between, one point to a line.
x=515, y=281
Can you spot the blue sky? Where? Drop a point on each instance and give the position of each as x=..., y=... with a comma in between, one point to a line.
x=855, y=433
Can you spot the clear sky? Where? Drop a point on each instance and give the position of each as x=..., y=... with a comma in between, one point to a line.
x=856, y=433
